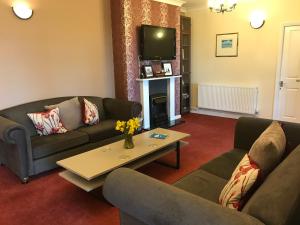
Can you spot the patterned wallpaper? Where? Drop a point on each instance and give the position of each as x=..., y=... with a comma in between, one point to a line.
x=127, y=17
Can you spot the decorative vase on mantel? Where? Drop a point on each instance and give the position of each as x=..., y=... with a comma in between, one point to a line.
x=128, y=128
x=128, y=141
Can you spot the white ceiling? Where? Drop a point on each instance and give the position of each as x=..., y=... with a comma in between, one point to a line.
x=195, y=4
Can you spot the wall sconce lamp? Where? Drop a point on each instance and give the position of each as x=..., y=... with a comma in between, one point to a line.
x=257, y=19
x=22, y=10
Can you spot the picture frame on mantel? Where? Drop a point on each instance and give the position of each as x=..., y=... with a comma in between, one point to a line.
x=167, y=67
x=227, y=45
x=148, y=71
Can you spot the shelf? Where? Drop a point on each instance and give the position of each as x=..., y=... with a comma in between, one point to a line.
x=185, y=64
x=159, y=78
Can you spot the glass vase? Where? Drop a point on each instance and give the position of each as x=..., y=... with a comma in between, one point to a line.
x=128, y=141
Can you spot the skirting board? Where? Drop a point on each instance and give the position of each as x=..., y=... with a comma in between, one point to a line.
x=219, y=113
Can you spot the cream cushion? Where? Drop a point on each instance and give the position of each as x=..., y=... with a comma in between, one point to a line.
x=70, y=113
x=267, y=151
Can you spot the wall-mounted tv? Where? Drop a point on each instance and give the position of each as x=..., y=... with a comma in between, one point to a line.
x=157, y=43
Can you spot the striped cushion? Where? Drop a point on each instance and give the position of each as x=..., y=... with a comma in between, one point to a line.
x=242, y=179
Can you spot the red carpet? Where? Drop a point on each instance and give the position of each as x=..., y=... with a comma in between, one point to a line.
x=50, y=200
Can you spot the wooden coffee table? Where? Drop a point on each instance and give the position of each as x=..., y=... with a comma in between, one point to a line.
x=89, y=170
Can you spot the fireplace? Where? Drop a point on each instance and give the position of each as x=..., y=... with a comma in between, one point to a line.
x=158, y=110
x=165, y=105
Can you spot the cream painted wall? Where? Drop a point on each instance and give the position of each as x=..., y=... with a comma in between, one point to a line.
x=256, y=64
x=64, y=49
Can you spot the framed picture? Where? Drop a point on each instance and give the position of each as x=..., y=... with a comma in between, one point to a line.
x=227, y=45
x=148, y=71
x=167, y=67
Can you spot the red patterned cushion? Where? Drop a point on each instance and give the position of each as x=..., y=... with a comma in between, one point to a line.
x=47, y=123
x=243, y=178
x=91, y=114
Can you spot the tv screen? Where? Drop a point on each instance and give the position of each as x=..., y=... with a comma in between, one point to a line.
x=158, y=43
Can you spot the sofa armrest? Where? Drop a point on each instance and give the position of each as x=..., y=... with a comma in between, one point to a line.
x=7, y=128
x=277, y=201
x=16, y=146
x=247, y=130
x=121, y=109
x=153, y=202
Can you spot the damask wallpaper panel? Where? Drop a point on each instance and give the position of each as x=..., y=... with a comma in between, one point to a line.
x=119, y=52
x=127, y=17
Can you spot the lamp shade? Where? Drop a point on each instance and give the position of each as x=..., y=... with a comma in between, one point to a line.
x=257, y=19
x=22, y=11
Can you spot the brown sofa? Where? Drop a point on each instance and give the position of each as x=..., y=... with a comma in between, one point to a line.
x=27, y=154
x=193, y=200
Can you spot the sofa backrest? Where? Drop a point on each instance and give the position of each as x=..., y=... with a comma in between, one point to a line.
x=277, y=200
x=249, y=129
x=19, y=113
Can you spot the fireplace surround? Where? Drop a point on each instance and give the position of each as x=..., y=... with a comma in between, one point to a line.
x=146, y=91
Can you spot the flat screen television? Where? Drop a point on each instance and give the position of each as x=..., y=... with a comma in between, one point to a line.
x=157, y=43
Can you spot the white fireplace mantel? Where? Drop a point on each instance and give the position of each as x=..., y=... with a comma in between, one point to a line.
x=172, y=2
x=145, y=95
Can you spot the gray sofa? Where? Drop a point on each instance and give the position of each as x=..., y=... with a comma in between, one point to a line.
x=27, y=154
x=193, y=200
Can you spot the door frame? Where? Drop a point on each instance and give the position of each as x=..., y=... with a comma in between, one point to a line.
x=278, y=70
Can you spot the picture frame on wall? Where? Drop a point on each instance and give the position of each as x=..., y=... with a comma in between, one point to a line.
x=148, y=71
x=167, y=67
x=227, y=45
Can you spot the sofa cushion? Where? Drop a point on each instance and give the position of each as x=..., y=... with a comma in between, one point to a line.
x=203, y=184
x=242, y=180
x=47, y=123
x=101, y=131
x=98, y=102
x=47, y=145
x=90, y=113
x=268, y=149
x=224, y=165
x=69, y=112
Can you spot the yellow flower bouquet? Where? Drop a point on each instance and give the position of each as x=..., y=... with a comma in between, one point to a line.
x=128, y=128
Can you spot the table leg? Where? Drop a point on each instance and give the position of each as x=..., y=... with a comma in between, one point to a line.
x=177, y=164
x=178, y=155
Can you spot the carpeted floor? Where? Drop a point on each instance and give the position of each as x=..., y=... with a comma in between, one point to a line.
x=50, y=200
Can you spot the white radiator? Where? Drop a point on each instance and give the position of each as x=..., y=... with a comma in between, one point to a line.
x=227, y=98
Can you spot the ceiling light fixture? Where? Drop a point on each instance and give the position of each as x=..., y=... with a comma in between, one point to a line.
x=221, y=6
x=22, y=10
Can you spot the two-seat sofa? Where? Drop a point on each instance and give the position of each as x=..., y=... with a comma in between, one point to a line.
x=27, y=154
x=193, y=200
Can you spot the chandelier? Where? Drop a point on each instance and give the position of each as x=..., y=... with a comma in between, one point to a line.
x=221, y=6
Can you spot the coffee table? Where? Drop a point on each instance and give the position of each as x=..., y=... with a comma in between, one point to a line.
x=89, y=170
